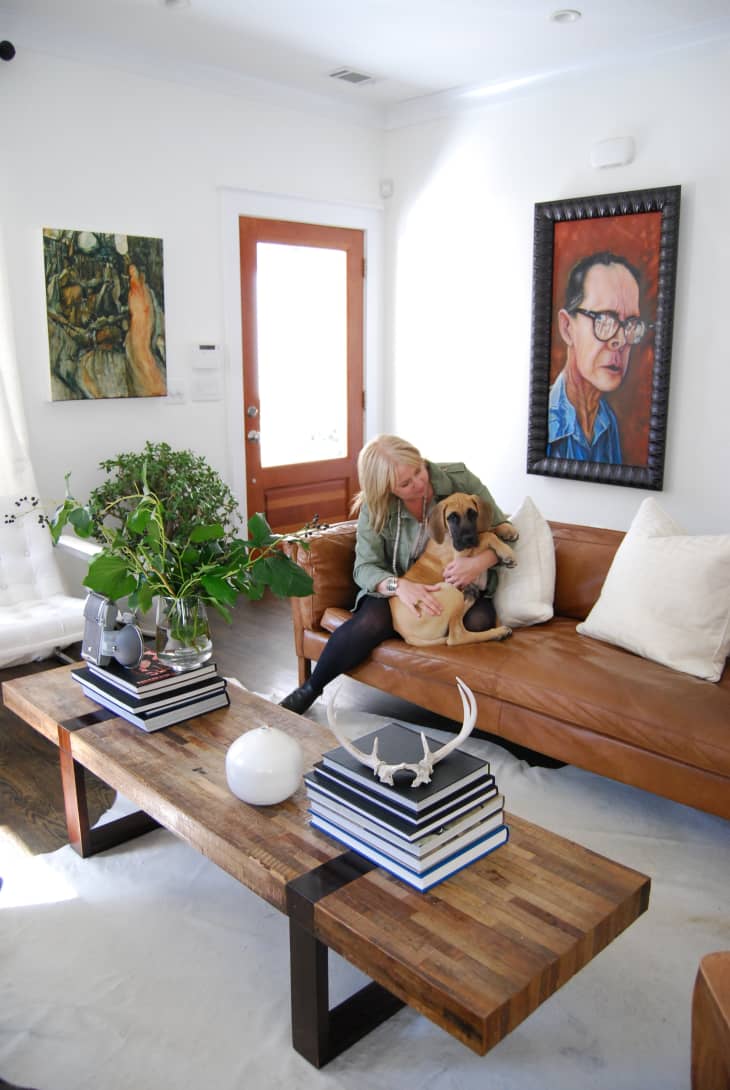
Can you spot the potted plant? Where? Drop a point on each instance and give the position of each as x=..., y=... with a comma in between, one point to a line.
x=168, y=527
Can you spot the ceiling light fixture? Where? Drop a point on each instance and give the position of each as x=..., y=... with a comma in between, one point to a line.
x=566, y=15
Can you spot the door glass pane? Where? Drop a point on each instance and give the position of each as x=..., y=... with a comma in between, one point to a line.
x=301, y=312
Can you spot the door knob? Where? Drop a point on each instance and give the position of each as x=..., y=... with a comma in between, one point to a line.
x=254, y=436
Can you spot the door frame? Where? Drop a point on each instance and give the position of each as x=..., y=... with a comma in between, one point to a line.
x=368, y=218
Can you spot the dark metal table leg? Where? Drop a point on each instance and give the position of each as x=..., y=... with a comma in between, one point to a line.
x=318, y=1033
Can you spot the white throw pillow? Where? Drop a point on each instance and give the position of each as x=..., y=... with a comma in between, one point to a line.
x=525, y=593
x=667, y=596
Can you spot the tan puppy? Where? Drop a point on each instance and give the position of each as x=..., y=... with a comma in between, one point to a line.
x=459, y=524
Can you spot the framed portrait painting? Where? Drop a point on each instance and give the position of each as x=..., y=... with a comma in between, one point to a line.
x=604, y=272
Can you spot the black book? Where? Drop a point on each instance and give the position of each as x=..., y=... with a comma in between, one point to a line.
x=165, y=717
x=327, y=788
x=192, y=688
x=435, y=874
x=150, y=676
x=445, y=840
x=397, y=743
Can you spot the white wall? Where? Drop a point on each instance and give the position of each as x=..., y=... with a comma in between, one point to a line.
x=86, y=147
x=91, y=147
x=459, y=240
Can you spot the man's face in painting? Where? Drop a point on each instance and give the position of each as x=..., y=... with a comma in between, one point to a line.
x=608, y=288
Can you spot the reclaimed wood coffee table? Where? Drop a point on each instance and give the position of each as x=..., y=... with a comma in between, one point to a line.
x=476, y=954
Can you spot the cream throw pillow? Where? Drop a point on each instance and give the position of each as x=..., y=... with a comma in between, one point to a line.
x=525, y=593
x=667, y=596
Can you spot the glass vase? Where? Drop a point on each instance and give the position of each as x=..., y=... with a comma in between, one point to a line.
x=182, y=636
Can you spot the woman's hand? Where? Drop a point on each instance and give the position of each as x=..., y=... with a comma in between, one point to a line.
x=419, y=597
x=463, y=570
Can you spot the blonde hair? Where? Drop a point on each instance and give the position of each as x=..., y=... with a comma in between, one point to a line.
x=376, y=467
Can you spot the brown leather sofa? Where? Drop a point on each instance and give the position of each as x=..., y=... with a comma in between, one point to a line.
x=570, y=697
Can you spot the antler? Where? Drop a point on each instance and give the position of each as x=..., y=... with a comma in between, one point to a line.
x=425, y=766
x=422, y=769
x=383, y=771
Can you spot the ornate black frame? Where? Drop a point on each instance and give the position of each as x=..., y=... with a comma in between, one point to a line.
x=665, y=200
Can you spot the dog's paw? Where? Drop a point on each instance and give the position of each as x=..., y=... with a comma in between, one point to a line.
x=509, y=561
x=507, y=532
x=507, y=632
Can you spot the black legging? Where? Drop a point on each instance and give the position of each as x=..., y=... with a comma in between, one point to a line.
x=370, y=624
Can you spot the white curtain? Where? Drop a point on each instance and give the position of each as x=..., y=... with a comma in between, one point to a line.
x=16, y=472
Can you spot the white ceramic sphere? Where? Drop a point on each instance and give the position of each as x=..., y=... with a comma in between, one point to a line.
x=264, y=766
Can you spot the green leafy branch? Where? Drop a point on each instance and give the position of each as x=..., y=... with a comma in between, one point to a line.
x=140, y=560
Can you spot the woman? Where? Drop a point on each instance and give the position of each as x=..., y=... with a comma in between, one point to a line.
x=399, y=488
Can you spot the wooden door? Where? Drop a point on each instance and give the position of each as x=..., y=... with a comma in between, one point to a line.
x=302, y=289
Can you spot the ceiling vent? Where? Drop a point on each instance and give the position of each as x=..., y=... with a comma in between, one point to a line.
x=348, y=75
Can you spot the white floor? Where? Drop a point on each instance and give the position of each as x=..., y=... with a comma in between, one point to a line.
x=147, y=968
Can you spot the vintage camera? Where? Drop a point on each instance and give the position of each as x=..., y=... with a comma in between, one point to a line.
x=103, y=640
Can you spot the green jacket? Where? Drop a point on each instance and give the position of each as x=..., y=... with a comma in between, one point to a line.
x=374, y=552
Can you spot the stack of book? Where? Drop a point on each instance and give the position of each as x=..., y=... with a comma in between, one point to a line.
x=151, y=695
x=423, y=834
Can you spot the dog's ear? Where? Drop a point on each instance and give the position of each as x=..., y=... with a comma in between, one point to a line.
x=484, y=514
x=437, y=523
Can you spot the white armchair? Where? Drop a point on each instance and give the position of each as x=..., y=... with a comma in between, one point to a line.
x=37, y=617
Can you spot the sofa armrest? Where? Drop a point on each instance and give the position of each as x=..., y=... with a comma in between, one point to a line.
x=328, y=556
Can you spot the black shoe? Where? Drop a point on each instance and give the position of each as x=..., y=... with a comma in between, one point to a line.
x=301, y=699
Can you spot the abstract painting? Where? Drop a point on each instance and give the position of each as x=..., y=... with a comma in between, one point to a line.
x=105, y=305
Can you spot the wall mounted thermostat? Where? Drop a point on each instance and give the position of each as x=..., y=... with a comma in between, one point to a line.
x=208, y=357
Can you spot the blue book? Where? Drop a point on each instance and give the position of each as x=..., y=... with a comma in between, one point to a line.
x=438, y=873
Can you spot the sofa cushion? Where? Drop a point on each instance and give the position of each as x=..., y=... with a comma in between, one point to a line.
x=667, y=596
x=525, y=593
x=589, y=684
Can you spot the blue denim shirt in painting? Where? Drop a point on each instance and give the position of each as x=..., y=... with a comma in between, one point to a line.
x=565, y=435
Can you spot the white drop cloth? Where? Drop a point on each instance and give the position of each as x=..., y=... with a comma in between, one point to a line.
x=147, y=968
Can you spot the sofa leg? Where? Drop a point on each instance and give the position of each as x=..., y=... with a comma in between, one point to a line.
x=305, y=669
